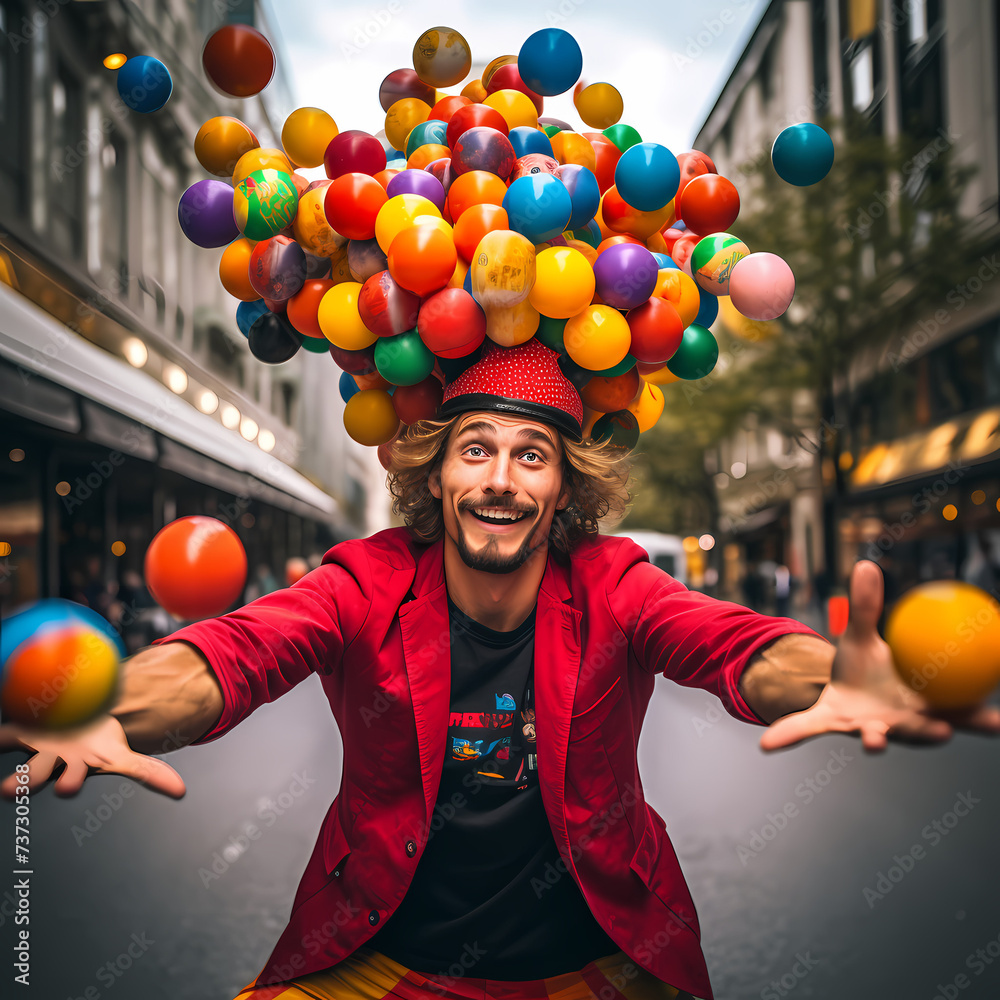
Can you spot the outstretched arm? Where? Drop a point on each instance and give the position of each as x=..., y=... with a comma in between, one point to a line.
x=786, y=676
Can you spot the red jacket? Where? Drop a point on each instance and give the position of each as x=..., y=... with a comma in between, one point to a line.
x=372, y=621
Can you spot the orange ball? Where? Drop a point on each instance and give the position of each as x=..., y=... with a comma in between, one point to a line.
x=621, y=217
x=608, y=393
x=474, y=223
x=303, y=307
x=447, y=106
x=427, y=153
x=220, y=142
x=384, y=176
x=195, y=567
x=234, y=270
x=422, y=259
x=475, y=92
x=571, y=147
x=477, y=187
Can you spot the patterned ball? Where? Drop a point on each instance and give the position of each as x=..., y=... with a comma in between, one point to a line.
x=264, y=203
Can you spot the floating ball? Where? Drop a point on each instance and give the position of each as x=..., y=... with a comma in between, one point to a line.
x=348, y=387
x=311, y=227
x=261, y=159
x=385, y=307
x=418, y=182
x=397, y=214
x=945, y=642
x=623, y=136
x=442, y=57
x=713, y=260
x=354, y=151
x=369, y=417
x=403, y=359
x=539, y=206
x=451, y=323
x=205, y=214
x=419, y=401
x=273, y=340
x=516, y=107
x=474, y=223
x=59, y=664
x=303, y=309
x=600, y=105
x=529, y=140
x=306, y=134
x=710, y=204
x=352, y=203
x=247, y=313
x=608, y=393
x=503, y=271
x=265, y=202
x=220, y=143
x=564, y=283
x=144, y=84
x=483, y=148
x=422, y=258
x=761, y=286
x=584, y=193
x=195, y=567
x=234, y=270
x=802, y=154
x=238, y=60
x=277, y=268
x=647, y=176
x=697, y=355
x=597, y=338
x=402, y=117
x=508, y=78
x=626, y=275
x=510, y=327
x=656, y=330
x=340, y=320
x=365, y=258
x=550, y=61
x=402, y=83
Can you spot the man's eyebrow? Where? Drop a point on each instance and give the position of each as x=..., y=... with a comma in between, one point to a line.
x=527, y=434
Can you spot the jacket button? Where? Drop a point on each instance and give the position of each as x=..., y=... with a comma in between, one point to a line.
x=411, y=848
x=373, y=917
x=336, y=871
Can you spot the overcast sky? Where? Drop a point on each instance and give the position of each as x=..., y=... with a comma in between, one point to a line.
x=669, y=58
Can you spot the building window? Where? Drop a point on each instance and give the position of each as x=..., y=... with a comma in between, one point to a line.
x=68, y=165
x=114, y=186
x=862, y=79
x=13, y=121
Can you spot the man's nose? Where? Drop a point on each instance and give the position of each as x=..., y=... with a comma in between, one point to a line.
x=497, y=478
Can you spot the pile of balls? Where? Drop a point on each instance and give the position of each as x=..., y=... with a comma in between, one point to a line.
x=469, y=217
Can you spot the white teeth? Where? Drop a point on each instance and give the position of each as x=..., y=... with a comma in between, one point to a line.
x=499, y=513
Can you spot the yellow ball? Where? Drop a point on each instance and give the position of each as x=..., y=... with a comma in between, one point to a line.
x=220, y=142
x=600, y=105
x=515, y=107
x=306, y=134
x=510, y=327
x=339, y=319
x=403, y=117
x=597, y=338
x=369, y=417
x=648, y=407
x=503, y=271
x=564, y=283
x=571, y=147
x=311, y=229
x=945, y=641
x=442, y=57
x=398, y=213
x=680, y=291
x=260, y=159
x=662, y=376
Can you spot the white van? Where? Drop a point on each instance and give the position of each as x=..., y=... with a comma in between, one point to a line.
x=665, y=551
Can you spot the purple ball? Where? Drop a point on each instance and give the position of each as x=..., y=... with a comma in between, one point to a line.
x=417, y=182
x=205, y=213
x=625, y=275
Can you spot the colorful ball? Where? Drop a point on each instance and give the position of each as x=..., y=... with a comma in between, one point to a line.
x=238, y=60
x=550, y=61
x=516, y=107
x=431, y=132
x=402, y=83
x=597, y=338
x=609, y=393
x=503, y=272
x=451, y=323
x=762, y=286
x=697, y=355
x=417, y=182
x=205, y=214
x=442, y=57
x=564, y=283
x=265, y=202
x=483, y=148
x=340, y=320
x=584, y=193
x=710, y=204
x=626, y=275
x=419, y=401
x=385, y=307
x=306, y=134
x=303, y=309
x=220, y=143
x=647, y=176
x=600, y=105
x=369, y=417
x=802, y=154
x=402, y=117
x=347, y=386
x=656, y=331
x=144, y=84
x=510, y=327
x=273, y=340
x=365, y=258
x=623, y=136
x=353, y=151
x=260, y=159
x=529, y=140
x=195, y=567
x=403, y=359
x=474, y=223
x=352, y=203
x=945, y=642
x=399, y=212
x=539, y=206
x=713, y=260
x=277, y=268
x=234, y=270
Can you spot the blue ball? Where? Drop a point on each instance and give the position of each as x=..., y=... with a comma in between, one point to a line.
x=708, y=311
x=663, y=260
x=52, y=613
x=467, y=283
x=144, y=84
x=538, y=206
x=584, y=193
x=247, y=313
x=433, y=130
x=527, y=140
x=802, y=154
x=348, y=387
x=647, y=176
x=550, y=61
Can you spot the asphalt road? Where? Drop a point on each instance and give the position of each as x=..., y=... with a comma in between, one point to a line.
x=778, y=849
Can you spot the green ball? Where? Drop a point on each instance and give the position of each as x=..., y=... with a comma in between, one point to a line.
x=550, y=333
x=403, y=359
x=697, y=355
x=316, y=345
x=623, y=136
x=626, y=364
x=713, y=260
x=264, y=202
x=621, y=426
x=550, y=130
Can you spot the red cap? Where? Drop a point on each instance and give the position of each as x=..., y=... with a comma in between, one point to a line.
x=525, y=379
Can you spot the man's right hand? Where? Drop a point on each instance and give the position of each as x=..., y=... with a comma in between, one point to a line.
x=100, y=747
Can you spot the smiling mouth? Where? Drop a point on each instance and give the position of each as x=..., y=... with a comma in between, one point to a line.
x=497, y=515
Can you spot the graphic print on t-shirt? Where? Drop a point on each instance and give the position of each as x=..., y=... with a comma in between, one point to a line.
x=492, y=752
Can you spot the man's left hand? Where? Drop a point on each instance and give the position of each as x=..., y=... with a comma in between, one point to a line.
x=865, y=693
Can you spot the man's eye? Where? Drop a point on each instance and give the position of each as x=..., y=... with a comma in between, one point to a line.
x=475, y=447
x=535, y=453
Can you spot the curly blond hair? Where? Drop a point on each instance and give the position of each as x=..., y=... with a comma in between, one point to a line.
x=597, y=475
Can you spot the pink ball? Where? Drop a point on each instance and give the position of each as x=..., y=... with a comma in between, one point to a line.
x=761, y=286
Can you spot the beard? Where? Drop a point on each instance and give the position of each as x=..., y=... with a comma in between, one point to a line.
x=488, y=558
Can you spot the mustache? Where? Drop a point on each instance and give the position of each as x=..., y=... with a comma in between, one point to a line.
x=501, y=502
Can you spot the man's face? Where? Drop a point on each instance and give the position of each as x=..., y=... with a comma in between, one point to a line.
x=500, y=484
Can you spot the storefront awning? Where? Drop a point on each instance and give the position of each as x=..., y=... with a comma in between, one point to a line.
x=43, y=351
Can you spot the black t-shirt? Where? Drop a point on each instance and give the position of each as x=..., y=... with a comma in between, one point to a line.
x=490, y=884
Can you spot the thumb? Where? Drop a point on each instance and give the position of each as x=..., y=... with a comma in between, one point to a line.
x=865, y=602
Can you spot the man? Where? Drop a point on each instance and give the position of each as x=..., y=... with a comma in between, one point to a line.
x=489, y=667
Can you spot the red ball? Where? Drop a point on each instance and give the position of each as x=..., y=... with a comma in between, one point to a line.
x=447, y=106
x=352, y=202
x=693, y=164
x=354, y=151
x=238, y=60
x=354, y=362
x=402, y=83
x=386, y=308
x=607, y=393
x=418, y=402
x=508, y=77
x=709, y=205
x=656, y=329
x=277, y=268
x=682, y=249
x=483, y=148
x=195, y=567
x=451, y=323
x=303, y=306
x=472, y=115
